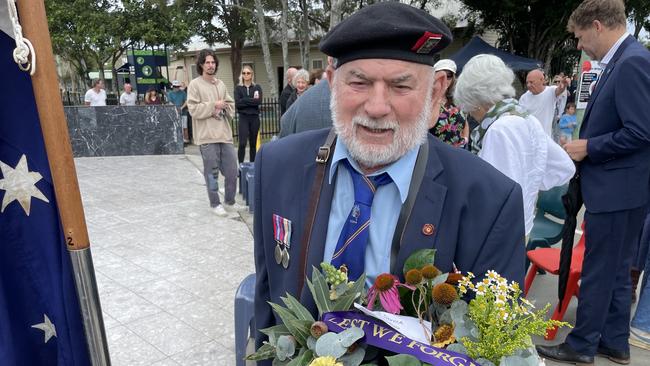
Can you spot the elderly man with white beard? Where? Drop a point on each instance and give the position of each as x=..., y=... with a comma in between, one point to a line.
x=377, y=187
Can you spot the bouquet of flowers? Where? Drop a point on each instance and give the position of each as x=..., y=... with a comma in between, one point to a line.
x=424, y=321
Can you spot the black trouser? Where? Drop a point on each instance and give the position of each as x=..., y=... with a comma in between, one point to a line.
x=249, y=126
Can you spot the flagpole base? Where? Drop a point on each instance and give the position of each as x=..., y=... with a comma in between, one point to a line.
x=84, y=276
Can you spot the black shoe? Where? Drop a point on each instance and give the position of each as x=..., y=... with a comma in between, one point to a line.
x=564, y=353
x=622, y=358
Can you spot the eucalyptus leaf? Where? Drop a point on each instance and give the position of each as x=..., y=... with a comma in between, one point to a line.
x=329, y=344
x=353, y=359
x=350, y=335
x=285, y=314
x=419, y=259
x=320, y=291
x=485, y=362
x=298, y=310
x=311, y=343
x=439, y=279
x=403, y=360
x=445, y=318
x=263, y=353
x=274, y=332
x=285, y=348
x=277, y=362
x=523, y=357
x=458, y=348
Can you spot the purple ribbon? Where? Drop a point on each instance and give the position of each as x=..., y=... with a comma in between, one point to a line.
x=380, y=335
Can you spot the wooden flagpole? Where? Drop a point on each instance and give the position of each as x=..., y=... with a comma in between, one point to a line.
x=59, y=153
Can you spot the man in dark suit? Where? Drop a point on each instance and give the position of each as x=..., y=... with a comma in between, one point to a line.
x=614, y=166
x=288, y=89
x=383, y=91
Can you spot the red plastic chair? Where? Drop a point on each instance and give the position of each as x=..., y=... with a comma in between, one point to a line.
x=548, y=259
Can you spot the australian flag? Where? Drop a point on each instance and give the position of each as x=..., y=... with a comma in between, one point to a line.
x=40, y=320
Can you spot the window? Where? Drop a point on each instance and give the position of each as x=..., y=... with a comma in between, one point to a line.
x=317, y=64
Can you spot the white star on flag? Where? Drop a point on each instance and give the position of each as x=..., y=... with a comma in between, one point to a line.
x=19, y=185
x=47, y=327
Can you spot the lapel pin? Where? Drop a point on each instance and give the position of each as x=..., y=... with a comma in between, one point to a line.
x=428, y=229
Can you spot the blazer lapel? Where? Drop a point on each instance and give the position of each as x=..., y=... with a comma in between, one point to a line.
x=604, y=76
x=427, y=210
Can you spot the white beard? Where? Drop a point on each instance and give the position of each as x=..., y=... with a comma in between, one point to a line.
x=404, y=138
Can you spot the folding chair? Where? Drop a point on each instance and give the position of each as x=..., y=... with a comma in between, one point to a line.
x=548, y=259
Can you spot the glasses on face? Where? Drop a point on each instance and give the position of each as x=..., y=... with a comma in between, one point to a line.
x=556, y=81
x=450, y=75
x=246, y=73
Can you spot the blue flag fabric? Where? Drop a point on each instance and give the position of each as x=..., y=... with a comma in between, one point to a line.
x=40, y=320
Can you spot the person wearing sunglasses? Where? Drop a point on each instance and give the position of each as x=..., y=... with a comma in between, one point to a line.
x=248, y=97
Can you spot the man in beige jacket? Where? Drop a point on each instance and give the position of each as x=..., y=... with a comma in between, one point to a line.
x=211, y=107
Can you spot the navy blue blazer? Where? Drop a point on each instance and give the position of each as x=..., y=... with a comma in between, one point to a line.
x=477, y=213
x=615, y=175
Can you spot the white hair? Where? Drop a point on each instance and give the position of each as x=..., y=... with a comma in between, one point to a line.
x=301, y=74
x=484, y=81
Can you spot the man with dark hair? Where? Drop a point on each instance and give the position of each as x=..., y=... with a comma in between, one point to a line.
x=383, y=165
x=211, y=108
x=613, y=152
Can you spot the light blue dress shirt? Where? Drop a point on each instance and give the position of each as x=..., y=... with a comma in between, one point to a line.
x=384, y=213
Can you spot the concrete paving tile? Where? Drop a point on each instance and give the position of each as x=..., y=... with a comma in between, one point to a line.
x=211, y=353
x=209, y=318
x=106, y=285
x=126, y=273
x=164, y=294
x=167, y=333
x=109, y=321
x=166, y=362
x=128, y=349
x=126, y=306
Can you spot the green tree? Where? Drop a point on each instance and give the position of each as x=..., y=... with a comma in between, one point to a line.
x=639, y=15
x=530, y=28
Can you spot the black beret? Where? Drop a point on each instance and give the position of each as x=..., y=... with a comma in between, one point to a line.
x=388, y=30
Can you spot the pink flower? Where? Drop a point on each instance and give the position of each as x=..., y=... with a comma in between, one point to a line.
x=386, y=287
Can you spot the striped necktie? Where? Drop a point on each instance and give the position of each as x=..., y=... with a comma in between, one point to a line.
x=351, y=246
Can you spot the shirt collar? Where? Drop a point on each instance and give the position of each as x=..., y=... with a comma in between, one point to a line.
x=608, y=56
x=399, y=171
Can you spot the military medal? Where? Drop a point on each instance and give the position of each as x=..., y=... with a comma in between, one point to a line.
x=282, y=236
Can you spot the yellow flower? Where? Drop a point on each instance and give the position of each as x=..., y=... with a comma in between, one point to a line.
x=325, y=361
x=444, y=336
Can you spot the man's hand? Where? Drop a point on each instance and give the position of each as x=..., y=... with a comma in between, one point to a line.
x=576, y=149
x=220, y=104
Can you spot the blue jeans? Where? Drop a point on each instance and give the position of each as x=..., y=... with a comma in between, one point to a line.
x=641, y=318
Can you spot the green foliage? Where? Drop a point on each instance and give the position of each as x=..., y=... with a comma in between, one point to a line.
x=419, y=259
x=503, y=319
x=403, y=360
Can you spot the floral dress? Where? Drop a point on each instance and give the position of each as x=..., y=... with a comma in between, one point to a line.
x=450, y=126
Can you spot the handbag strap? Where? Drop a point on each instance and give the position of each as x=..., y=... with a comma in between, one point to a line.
x=322, y=158
x=407, y=207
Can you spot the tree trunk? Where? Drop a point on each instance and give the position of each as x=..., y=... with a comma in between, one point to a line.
x=305, y=30
x=335, y=12
x=261, y=26
x=284, y=36
x=236, y=46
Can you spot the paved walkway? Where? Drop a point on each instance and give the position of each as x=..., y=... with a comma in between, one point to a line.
x=167, y=267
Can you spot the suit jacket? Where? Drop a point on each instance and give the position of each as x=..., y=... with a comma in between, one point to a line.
x=309, y=112
x=477, y=213
x=284, y=97
x=615, y=175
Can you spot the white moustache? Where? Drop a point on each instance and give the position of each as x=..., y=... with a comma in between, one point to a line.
x=375, y=124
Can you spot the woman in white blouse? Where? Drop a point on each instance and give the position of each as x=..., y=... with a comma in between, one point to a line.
x=508, y=137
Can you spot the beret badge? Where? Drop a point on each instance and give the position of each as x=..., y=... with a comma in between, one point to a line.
x=426, y=43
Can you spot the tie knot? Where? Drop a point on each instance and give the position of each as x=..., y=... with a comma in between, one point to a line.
x=366, y=186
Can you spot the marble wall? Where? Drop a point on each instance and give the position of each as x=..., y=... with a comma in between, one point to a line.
x=120, y=130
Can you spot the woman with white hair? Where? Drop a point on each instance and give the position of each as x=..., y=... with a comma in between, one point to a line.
x=508, y=137
x=300, y=83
